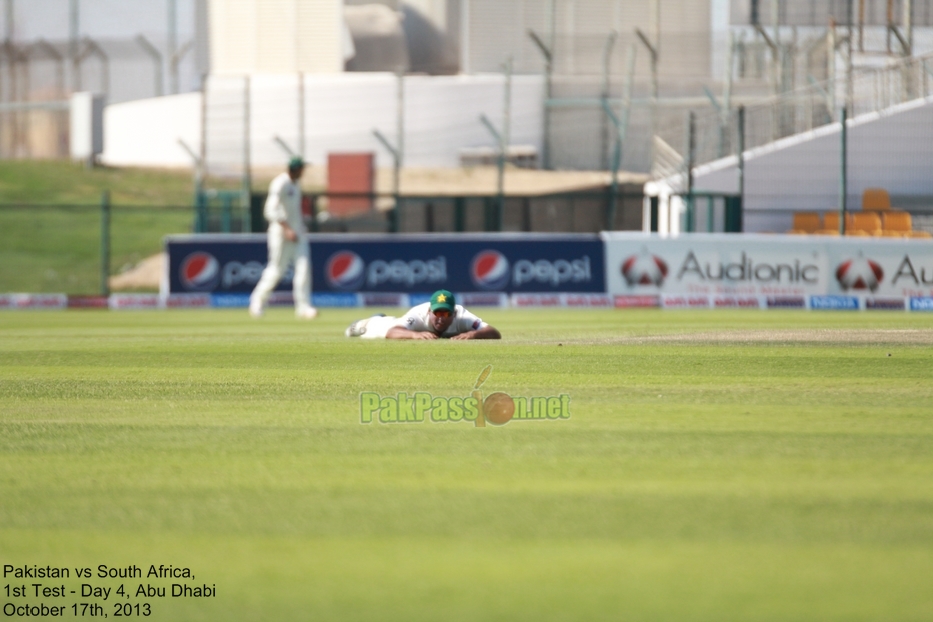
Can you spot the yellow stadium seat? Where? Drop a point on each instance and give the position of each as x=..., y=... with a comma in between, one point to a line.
x=897, y=221
x=806, y=222
x=892, y=234
x=827, y=232
x=876, y=199
x=831, y=221
x=920, y=235
x=867, y=222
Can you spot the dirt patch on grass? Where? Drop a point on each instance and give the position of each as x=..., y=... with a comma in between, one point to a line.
x=144, y=276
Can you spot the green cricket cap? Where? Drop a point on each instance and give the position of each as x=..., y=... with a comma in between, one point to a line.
x=296, y=162
x=442, y=299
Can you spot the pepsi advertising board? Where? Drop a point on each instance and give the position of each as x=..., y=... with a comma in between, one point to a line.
x=217, y=263
x=480, y=263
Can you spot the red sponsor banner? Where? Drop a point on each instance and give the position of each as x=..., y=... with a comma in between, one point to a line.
x=33, y=301
x=685, y=302
x=88, y=302
x=537, y=300
x=587, y=300
x=635, y=302
x=736, y=302
x=124, y=302
x=188, y=301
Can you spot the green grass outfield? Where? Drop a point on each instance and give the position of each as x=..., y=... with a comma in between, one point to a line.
x=716, y=466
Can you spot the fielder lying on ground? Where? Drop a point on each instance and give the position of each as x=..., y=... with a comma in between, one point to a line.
x=441, y=318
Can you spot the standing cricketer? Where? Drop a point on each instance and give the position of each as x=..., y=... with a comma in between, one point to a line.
x=440, y=318
x=288, y=242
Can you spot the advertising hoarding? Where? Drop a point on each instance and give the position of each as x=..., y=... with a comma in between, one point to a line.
x=768, y=271
x=397, y=264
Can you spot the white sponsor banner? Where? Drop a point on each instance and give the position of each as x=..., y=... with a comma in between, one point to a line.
x=33, y=301
x=765, y=271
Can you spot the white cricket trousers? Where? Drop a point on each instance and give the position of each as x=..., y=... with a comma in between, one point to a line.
x=377, y=327
x=281, y=254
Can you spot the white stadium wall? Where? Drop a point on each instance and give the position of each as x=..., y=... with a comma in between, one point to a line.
x=889, y=150
x=146, y=132
x=442, y=116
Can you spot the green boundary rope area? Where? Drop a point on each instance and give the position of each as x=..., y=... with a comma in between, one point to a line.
x=718, y=465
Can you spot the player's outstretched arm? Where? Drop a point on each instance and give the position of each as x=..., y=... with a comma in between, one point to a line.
x=397, y=332
x=486, y=332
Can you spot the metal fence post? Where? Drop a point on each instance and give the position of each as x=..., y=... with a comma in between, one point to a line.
x=843, y=181
x=548, y=91
x=691, y=148
x=105, y=243
x=247, y=166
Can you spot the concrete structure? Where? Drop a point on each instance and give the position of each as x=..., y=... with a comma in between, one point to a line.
x=340, y=111
x=277, y=36
x=888, y=149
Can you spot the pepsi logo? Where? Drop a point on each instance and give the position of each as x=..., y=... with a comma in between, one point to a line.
x=490, y=270
x=644, y=269
x=859, y=274
x=345, y=270
x=199, y=271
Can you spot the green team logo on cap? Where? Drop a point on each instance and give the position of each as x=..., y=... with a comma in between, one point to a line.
x=443, y=299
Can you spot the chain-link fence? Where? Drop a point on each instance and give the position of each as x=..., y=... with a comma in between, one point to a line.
x=37, y=78
x=716, y=134
x=62, y=248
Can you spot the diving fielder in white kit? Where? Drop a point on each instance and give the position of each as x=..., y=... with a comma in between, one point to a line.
x=440, y=318
x=287, y=239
